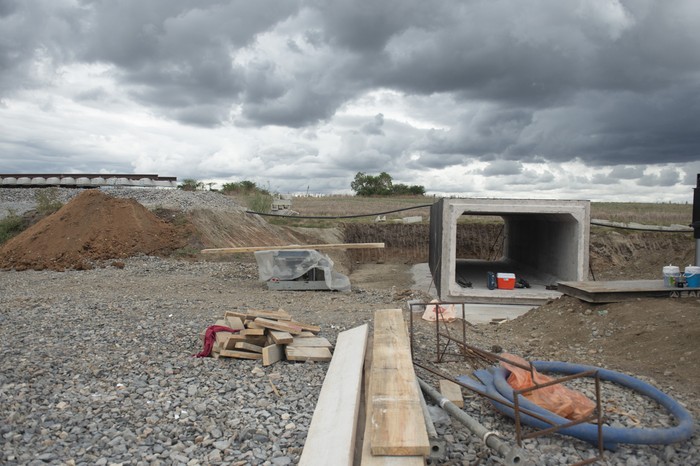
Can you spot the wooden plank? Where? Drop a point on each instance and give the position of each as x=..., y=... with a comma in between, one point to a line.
x=253, y=332
x=251, y=314
x=307, y=354
x=276, y=325
x=242, y=345
x=235, y=338
x=319, y=342
x=234, y=322
x=271, y=354
x=452, y=392
x=281, y=338
x=308, y=327
x=367, y=458
x=222, y=338
x=304, y=334
x=239, y=354
x=623, y=290
x=331, y=436
x=293, y=246
x=397, y=424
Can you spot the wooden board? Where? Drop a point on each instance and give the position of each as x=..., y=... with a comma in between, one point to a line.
x=240, y=354
x=397, y=424
x=253, y=332
x=251, y=314
x=281, y=338
x=234, y=322
x=276, y=325
x=623, y=290
x=294, y=246
x=307, y=354
x=235, y=338
x=306, y=327
x=367, y=458
x=319, y=342
x=272, y=353
x=222, y=338
x=331, y=436
x=241, y=345
x=452, y=392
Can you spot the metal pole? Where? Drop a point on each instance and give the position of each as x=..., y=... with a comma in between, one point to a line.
x=696, y=219
x=511, y=455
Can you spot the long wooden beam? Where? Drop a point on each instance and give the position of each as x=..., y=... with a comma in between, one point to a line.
x=397, y=426
x=331, y=437
x=294, y=246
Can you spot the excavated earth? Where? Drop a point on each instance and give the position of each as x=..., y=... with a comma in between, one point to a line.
x=101, y=304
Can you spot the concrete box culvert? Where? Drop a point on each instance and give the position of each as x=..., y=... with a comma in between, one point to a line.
x=544, y=242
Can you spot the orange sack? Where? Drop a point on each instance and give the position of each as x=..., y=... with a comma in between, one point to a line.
x=558, y=399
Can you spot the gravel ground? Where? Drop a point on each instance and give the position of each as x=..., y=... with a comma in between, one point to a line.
x=96, y=367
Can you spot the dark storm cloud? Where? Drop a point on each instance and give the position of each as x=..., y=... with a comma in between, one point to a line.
x=604, y=82
x=667, y=177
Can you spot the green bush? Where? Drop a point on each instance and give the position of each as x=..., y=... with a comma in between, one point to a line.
x=10, y=226
x=190, y=184
x=260, y=202
x=243, y=187
x=47, y=200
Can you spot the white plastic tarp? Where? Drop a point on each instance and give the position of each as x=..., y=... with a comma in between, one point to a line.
x=291, y=264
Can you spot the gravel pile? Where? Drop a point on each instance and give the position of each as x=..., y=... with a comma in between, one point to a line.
x=22, y=200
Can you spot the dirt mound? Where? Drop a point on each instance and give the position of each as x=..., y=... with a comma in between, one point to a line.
x=91, y=227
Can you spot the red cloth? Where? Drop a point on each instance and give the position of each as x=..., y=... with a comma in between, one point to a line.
x=210, y=338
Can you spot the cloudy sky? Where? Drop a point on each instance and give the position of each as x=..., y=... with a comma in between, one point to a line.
x=578, y=99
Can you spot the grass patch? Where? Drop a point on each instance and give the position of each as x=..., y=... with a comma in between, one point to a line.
x=11, y=225
x=47, y=201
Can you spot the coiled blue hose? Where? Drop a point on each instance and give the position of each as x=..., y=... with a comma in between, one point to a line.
x=495, y=384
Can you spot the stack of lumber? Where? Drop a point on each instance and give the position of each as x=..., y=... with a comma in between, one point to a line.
x=271, y=336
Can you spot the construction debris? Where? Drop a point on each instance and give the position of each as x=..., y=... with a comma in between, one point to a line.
x=271, y=336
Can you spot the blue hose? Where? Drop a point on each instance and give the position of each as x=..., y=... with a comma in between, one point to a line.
x=495, y=384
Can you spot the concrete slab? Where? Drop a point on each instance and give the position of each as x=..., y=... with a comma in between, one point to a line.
x=474, y=313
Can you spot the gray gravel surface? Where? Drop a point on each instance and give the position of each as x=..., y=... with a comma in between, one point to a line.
x=96, y=367
x=22, y=200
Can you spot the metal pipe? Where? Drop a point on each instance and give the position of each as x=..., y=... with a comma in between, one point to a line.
x=512, y=455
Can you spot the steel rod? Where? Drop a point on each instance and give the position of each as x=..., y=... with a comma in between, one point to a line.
x=512, y=455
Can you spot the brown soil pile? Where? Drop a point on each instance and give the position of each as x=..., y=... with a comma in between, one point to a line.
x=92, y=227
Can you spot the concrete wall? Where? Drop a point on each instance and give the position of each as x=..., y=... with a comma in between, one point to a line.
x=545, y=241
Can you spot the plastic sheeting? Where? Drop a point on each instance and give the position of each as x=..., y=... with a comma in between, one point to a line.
x=293, y=264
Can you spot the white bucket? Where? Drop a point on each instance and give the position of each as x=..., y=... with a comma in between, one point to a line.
x=672, y=274
x=692, y=276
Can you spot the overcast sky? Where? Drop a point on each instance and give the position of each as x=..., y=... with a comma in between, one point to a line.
x=579, y=99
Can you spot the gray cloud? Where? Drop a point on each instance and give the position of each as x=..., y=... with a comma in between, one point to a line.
x=609, y=84
x=667, y=177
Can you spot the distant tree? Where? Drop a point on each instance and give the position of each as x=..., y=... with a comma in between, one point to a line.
x=404, y=190
x=190, y=184
x=382, y=185
x=370, y=185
